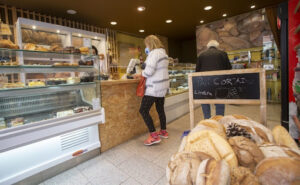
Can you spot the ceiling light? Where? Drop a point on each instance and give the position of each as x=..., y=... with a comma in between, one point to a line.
x=169, y=21
x=95, y=37
x=57, y=31
x=224, y=15
x=34, y=27
x=207, y=7
x=253, y=6
x=79, y=35
x=72, y=12
x=141, y=8
x=113, y=23
x=142, y=31
x=201, y=21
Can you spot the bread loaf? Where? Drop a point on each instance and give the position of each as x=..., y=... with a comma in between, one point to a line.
x=273, y=150
x=212, y=172
x=182, y=167
x=243, y=176
x=209, y=124
x=282, y=137
x=247, y=152
x=209, y=142
x=279, y=171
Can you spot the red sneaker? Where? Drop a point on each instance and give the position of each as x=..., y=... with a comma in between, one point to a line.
x=152, y=139
x=163, y=133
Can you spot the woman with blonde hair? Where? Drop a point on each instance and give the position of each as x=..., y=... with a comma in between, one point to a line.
x=157, y=85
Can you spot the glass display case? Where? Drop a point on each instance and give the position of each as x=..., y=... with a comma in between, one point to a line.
x=178, y=75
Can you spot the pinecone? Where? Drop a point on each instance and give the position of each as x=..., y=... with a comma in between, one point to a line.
x=235, y=130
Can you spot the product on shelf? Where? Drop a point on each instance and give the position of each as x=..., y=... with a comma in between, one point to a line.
x=41, y=48
x=84, y=50
x=2, y=123
x=278, y=171
x=59, y=64
x=56, y=48
x=282, y=137
x=17, y=121
x=36, y=84
x=8, y=44
x=56, y=81
x=82, y=109
x=71, y=50
x=86, y=63
x=247, y=152
x=213, y=171
x=14, y=85
x=73, y=80
x=183, y=166
x=64, y=113
x=40, y=37
x=30, y=46
x=6, y=61
x=273, y=150
x=87, y=79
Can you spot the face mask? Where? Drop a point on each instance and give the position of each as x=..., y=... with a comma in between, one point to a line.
x=147, y=51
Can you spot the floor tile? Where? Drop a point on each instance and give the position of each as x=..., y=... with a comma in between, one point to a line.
x=117, y=155
x=70, y=177
x=102, y=172
x=142, y=170
x=131, y=181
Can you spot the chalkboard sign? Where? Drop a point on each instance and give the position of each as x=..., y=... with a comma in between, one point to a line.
x=244, y=86
x=232, y=86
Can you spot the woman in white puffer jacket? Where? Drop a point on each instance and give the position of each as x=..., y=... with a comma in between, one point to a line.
x=157, y=85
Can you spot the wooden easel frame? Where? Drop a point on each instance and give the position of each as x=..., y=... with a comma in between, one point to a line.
x=262, y=101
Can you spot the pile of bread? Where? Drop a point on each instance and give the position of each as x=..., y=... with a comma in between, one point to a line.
x=40, y=37
x=235, y=150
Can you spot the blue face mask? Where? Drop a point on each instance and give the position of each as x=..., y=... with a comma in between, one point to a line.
x=147, y=51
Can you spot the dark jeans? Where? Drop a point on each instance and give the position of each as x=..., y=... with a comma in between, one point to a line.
x=146, y=105
x=220, y=109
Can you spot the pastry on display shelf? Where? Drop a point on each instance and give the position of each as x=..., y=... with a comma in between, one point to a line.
x=41, y=48
x=56, y=48
x=278, y=171
x=212, y=172
x=30, y=46
x=8, y=44
x=64, y=113
x=247, y=152
x=17, y=122
x=73, y=80
x=56, y=81
x=87, y=79
x=282, y=137
x=183, y=167
x=209, y=142
x=14, y=85
x=84, y=50
x=82, y=109
x=36, y=84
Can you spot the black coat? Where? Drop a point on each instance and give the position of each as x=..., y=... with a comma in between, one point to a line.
x=213, y=59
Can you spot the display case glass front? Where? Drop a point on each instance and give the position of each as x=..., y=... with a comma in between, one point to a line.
x=178, y=75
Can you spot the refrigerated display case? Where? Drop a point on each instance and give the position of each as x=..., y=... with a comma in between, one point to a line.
x=50, y=100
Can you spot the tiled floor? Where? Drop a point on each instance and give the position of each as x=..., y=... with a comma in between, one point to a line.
x=132, y=163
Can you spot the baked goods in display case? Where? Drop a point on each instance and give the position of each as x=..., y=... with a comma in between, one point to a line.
x=14, y=85
x=2, y=123
x=73, y=80
x=36, y=84
x=40, y=37
x=235, y=150
x=8, y=44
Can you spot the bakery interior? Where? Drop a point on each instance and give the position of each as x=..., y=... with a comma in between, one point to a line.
x=69, y=113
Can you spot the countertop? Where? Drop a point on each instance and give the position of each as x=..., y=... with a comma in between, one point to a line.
x=116, y=82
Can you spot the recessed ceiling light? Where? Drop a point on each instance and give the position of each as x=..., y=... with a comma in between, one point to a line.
x=207, y=7
x=57, y=31
x=224, y=15
x=142, y=31
x=201, y=21
x=95, y=37
x=169, y=21
x=113, y=23
x=253, y=6
x=141, y=8
x=79, y=35
x=34, y=27
x=72, y=12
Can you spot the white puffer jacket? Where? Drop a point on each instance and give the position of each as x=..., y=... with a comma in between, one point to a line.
x=156, y=73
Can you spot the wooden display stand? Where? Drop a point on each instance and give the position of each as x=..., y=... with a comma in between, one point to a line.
x=245, y=86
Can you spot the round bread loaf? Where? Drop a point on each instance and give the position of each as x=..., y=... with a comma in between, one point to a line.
x=217, y=117
x=243, y=176
x=213, y=144
x=273, y=150
x=282, y=137
x=247, y=152
x=209, y=124
x=278, y=171
x=212, y=172
x=183, y=166
x=237, y=116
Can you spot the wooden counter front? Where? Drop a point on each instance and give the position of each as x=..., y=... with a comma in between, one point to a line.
x=123, y=120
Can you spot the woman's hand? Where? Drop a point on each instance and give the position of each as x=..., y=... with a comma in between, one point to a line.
x=137, y=76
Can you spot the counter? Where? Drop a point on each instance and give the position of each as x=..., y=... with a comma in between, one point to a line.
x=123, y=120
